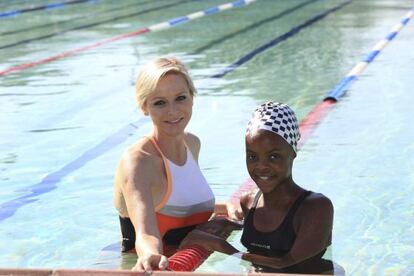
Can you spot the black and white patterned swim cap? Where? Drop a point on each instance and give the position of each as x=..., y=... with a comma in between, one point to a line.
x=277, y=118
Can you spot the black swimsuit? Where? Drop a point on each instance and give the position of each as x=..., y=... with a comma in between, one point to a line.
x=172, y=237
x=275, y=243
x=280, y=241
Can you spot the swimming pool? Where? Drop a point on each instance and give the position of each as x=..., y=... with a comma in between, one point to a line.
x=64, y=123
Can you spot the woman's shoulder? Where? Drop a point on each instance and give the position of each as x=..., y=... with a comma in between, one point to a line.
x=141, y=154
x=193, y=143
x=192, y=140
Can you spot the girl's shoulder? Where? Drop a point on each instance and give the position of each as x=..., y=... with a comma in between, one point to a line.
x=317, y=199
x=316, y=204
x=247, y=200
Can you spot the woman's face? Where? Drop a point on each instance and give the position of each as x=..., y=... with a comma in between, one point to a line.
x=269, y=159
x=170, y=105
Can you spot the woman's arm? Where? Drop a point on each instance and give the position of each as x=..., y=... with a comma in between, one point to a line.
x=138, y=170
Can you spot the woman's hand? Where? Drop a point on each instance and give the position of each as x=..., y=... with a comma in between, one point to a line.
x=151, y=262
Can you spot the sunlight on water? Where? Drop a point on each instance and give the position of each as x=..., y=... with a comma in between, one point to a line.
x=69, y=120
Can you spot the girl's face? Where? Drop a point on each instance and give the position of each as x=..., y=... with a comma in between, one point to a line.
x=269, y=159
x=170, y=105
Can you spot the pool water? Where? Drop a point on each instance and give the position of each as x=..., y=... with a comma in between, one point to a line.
x=64, y=124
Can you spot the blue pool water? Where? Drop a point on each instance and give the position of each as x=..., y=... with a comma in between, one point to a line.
x=64, y=124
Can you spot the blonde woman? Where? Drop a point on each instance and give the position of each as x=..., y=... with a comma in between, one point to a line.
x=159, y=190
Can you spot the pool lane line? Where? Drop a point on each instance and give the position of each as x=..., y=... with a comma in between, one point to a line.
x=50, y=181
x=157, y=27
x=314, y=118
x=90, y=25
x=50, y=6
x=343, y=86
x=278, y=40
x=252, y=26
x=61, y=22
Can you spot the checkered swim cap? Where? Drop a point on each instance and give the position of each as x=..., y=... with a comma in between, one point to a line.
x=277, y=118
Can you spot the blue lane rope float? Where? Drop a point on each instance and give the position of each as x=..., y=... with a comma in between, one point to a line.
x=58, y=23
x=343, y=86
x=153, y=28
x=93, y=24
x=49, y=183
x=50, y=6
x=206, y=12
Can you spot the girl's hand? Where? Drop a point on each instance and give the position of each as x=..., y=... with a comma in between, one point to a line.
x=234, y=211
x=151, y=262
x=219, y=226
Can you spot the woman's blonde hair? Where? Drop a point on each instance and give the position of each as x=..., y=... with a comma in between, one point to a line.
x=151, y=74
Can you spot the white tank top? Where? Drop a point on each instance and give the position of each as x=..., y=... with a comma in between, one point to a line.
x=189, y=199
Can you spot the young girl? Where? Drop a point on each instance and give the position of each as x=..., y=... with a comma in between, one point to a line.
x=286, y=227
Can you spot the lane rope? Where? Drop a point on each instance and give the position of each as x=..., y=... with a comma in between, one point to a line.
x=58, y=23
x=154, y=28
x=340, y=89
x=90, y=25
x=50, y=6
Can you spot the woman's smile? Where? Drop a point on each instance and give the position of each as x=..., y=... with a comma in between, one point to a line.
x=174, y=121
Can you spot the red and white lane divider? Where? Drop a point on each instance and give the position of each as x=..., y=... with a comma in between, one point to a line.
x=154, y=28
